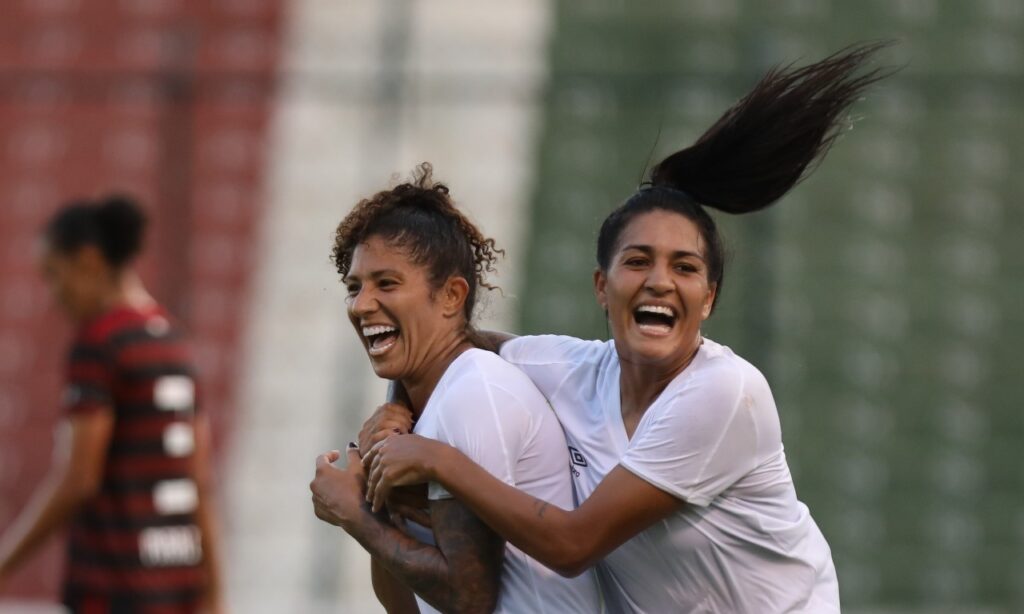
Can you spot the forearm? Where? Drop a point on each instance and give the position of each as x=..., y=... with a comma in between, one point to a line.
x=206, y=512
x=209, y=530
x=558, y=538
x=392, y=594
x=49, y=509
x=421, y=567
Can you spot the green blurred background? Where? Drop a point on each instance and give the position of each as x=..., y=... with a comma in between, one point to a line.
x=882, y=298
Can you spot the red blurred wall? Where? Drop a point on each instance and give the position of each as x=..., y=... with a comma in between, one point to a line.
x=168, y=100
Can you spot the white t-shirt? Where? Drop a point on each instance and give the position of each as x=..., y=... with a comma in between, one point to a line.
x=744, y=544
x=492, y=413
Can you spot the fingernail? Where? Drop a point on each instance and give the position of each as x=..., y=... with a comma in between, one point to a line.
x=352, y=445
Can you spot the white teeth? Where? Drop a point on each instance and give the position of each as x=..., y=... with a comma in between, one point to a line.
x=666, y=311
x=369, y=331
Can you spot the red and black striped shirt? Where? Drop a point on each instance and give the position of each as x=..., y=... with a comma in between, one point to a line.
x=136, y=546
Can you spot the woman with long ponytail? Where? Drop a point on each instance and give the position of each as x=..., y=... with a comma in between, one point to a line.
x=686, y=503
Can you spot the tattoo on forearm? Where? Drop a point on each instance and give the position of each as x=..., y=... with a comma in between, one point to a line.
x=542, y=506
x=461, y=573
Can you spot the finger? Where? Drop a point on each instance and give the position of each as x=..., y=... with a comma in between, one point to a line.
x=333, y=455
x=380, y=496
x=372, y=484
x=324, y=460
x=354, y=460
x=397, y=409
x=383, y=434
x=369, y=457
x=375, y=474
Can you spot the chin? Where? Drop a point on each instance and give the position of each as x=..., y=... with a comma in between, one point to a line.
x=386, y=369
x=645, y=350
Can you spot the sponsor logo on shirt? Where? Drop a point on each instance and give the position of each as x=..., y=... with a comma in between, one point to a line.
x=577, y=459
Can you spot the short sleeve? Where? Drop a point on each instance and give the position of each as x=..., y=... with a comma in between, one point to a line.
x=90, y=378
x=699, y=441
x=549, y=359
x=485, y=423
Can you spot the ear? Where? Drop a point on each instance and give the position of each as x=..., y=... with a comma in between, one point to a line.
x=453, y=296
x=709, y=301
x=600, y=284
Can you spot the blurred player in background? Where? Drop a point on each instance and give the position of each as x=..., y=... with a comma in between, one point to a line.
x=131, y=470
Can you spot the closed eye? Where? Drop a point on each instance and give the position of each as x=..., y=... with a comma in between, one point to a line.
x=686, y=268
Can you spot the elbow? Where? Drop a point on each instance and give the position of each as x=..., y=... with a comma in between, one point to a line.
x=483, y=600
x=572, y=568
x=476, y=606
x=572, y=559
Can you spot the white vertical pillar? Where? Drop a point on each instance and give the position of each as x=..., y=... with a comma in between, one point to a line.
x=461, y=90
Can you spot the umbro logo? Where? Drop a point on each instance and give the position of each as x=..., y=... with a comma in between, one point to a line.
x=577, y=458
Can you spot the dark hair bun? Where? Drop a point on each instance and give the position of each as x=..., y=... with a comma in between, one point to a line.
x=114, y=224
x=120, y=223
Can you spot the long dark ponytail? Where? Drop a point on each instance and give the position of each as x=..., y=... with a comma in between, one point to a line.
x=755, y=153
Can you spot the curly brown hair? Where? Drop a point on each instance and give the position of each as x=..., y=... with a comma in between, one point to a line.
x=420, y=217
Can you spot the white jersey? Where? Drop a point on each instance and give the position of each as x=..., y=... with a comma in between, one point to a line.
x=492, y=413
x=744, y=544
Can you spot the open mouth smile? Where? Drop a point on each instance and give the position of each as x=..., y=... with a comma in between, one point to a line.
x=655, y=320
x=379, y=338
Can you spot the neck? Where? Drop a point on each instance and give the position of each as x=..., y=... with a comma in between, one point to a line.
x=640, y=384
x=125, y=288
x=419, y=387
x=128, y=290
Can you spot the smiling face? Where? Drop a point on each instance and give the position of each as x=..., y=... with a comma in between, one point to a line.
x=656, y=289
x=402, y=320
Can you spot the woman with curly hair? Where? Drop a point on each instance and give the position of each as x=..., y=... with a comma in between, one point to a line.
x=412, y=265
x=687, y=504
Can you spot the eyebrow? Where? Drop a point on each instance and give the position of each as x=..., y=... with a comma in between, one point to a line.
x=373, y=275
x=648, y=250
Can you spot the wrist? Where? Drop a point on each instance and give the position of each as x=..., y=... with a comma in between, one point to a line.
x=439, y=464
x=353, y=518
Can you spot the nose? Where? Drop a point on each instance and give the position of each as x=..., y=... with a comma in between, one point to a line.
x=658, y=280
x=363, y=303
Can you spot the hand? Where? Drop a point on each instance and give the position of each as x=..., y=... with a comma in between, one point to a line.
x=338, y=493
x=399, y=461
x=388, y=419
